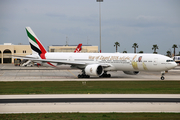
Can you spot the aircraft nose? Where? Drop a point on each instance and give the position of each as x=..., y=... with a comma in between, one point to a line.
x=174, y=64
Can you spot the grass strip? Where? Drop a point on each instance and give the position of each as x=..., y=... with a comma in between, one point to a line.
x=91, y=87
x=91, y=116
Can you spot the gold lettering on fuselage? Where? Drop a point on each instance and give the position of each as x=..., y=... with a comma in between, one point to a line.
x=109, y=58
x=134, y=61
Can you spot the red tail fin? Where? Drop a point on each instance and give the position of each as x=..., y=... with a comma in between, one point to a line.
x=78, y=49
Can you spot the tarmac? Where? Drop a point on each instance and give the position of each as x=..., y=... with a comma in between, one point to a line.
x=9, y=72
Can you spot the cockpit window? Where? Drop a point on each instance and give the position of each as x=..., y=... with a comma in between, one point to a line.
x=169, y=60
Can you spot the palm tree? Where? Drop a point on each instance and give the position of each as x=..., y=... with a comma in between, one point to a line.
x=116, y=44
x=124, y=51
x=135, y=45
x=168, y=53
x=174, y=46
x=141, y=52
x=154, y=48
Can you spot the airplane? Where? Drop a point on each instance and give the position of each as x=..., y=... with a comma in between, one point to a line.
x=176, y=59
x=98, y=64
x=78, y=49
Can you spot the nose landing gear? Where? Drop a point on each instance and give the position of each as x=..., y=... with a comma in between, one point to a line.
x=162, y=77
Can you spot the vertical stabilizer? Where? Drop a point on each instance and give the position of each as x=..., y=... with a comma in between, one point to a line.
x=78, y=49
x=36, y=45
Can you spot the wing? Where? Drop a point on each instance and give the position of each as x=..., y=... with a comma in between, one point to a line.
x=23, y=57
x=70, y=62
x=75, y=63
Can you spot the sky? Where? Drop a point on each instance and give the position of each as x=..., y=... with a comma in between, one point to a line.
x=145, y=22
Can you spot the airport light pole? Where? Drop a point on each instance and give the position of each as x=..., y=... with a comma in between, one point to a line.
x=99, y=21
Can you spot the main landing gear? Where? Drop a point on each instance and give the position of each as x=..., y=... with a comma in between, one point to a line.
x=105, y=75
x=162, y=77
x=83, y=75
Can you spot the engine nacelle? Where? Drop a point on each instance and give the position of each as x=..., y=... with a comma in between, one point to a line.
x=131, y=72
x=94, y=70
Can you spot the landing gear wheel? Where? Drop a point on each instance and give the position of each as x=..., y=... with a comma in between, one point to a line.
x=162, y=78
x=83, y=76
x=105, y=75
x=79, y=76
x=162, y=73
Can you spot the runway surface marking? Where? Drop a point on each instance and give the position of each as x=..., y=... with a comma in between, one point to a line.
x=72, y=100
x=72, y=73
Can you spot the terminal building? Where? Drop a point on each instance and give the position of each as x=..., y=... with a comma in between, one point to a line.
x=71, y=48
x=8, y=49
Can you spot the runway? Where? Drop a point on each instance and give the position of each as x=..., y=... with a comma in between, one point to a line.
x=90, y=103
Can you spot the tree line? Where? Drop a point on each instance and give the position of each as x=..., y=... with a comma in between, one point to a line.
x=155, y=47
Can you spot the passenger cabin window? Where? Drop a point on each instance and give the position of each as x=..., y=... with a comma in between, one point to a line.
x=169, y=60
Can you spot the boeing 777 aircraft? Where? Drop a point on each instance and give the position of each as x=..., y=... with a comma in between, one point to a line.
x=98, y=64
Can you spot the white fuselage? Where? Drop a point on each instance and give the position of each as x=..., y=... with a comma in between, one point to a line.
x=97, y=64
x=117, y=61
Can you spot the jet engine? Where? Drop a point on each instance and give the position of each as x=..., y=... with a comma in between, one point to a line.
x=131, y=72
x=94, y=70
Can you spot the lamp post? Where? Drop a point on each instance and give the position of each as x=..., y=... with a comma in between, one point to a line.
x=99, y=21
